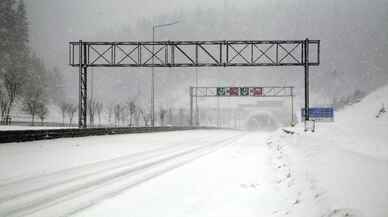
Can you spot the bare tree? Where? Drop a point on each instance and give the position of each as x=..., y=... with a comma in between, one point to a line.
x=162, y=115
x=170, y=117
x=99, y=109
x=13, y=82
x=124, y=113
x=35, y=98
x=117, y=114
x=110, y=113
x=181, y=117
x=3, y=104
x=137, y=117
x=63, y=106
x=146, y=117
x=92, y=106
x=70, y=112
x=42, y=112
x=132, y=111
x=33, y=104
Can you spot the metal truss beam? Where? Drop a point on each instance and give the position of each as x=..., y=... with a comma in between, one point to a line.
x=196, y=53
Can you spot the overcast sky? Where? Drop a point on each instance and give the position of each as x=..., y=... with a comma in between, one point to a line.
x=54, y=22
x=354, y=33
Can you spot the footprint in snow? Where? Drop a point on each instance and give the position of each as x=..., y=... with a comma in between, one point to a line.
x=344, y=213
x=291, y=183
x=249, y=185
x=288, y=175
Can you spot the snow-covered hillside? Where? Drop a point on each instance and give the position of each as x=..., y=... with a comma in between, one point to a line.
x=345, y=163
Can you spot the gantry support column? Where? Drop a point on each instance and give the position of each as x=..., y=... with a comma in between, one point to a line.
x=83, y=75
x=306, y=80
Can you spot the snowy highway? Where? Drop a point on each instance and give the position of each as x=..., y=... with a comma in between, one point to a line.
x=62, y=192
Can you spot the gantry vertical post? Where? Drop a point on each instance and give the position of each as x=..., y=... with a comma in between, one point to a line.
x=83, y=74
x=306, y=80
x=80, y=80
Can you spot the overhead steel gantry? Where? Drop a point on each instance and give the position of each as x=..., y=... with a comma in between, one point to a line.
x=251, y=53
x=245, y=91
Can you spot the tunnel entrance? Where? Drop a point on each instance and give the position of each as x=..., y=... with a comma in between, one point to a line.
x=263, y=121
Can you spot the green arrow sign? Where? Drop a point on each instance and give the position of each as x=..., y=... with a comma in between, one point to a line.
x=221, y=91
x=244, y=91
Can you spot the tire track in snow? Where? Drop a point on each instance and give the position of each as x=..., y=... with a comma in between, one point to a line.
x=27, y=186
x=79, y=193
x=16, y=180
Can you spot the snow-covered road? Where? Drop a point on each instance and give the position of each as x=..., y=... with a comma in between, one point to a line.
x=70, y=189
x=246, y=178
x=190, y=173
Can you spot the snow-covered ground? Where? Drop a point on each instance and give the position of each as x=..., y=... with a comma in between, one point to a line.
x=15, y=127
x=340, y=170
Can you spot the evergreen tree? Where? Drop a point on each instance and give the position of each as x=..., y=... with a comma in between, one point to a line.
x=7, y=18
x=7, y=22
x=15, y=56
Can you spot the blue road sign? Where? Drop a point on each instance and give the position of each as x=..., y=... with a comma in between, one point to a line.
x=320, y=114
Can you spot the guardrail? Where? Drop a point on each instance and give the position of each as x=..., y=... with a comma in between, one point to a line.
x=32, y=135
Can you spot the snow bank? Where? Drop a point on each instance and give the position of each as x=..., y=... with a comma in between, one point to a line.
x=345, y=163
x=359, y=129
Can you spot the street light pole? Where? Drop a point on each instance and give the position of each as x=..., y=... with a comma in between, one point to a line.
x=153, y=81
x=196, y=98
x=154, y=27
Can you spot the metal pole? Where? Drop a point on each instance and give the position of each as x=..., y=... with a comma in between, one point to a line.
x=292, y=106
x=80, y=124
x=196, y=98
x=306, y=80
x=82, y=111
x=218, y=112
x=153, y=72
x=191, y=106
x=85, y=97
x=153, y=81
x=85, y=84
x=91, y=120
